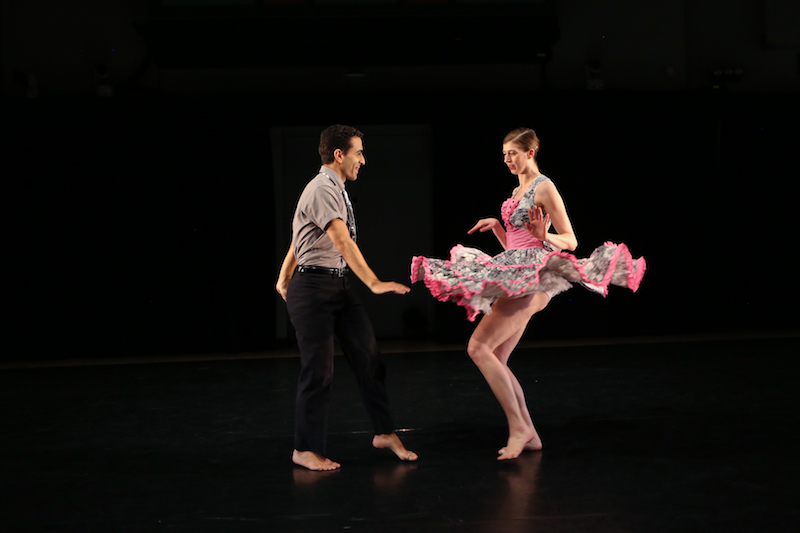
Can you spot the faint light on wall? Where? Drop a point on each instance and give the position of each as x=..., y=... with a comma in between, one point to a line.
x=102, y=81
x=723, y=76
x=594, y=75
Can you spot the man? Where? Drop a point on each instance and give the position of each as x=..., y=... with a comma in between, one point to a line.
x=315, y=283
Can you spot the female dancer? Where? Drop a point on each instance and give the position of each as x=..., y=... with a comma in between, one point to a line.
x=511, y=287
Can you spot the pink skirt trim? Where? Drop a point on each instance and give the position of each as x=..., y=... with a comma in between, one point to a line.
x=574, y=271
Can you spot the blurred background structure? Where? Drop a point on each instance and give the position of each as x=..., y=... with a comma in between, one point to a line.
x=153, y=152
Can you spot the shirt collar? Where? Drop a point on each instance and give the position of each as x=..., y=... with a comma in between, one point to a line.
x=327, y=171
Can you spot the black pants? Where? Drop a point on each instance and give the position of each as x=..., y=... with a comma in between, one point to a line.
x=323, y=307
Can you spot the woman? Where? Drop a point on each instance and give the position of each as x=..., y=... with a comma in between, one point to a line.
x=511, y=287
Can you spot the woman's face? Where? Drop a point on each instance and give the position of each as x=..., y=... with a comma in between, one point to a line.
x=516, y=158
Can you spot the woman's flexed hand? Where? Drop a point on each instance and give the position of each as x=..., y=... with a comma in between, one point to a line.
x=485, y=224
x=537, y=223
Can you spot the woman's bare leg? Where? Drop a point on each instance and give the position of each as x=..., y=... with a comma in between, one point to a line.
x=503, y=352
x=505, y=323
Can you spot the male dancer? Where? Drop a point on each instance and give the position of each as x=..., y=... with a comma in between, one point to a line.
x=314, y=281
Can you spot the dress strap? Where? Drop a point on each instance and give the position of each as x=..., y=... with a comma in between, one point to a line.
x=520, y=215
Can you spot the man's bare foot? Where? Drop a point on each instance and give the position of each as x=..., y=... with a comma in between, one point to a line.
x=313, y=461
x=533, y=445
x=517, y=441
x=392, y=442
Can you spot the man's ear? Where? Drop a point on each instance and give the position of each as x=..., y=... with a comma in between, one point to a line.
x=338, y=155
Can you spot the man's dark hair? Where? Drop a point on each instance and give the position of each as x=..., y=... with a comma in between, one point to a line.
x=336, y=137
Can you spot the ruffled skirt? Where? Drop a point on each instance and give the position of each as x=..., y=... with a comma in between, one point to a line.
x=475, y=280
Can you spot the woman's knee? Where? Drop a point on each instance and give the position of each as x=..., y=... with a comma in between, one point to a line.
x=473, y=350
x=538, y=302
x=478, y=351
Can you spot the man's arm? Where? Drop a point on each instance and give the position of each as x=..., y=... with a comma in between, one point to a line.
x=340, y=235
x=287, y=269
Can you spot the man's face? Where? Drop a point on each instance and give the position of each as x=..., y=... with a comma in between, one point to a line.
x=353, y=159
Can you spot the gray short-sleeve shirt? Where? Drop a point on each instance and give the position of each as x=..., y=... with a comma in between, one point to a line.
x=320, y=202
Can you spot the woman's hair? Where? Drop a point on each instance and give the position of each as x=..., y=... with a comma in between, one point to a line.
x=336, y=137
x=525, y=137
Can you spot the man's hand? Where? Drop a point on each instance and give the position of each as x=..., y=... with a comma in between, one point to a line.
x=287, y=269
x=382, y=287
x=282, y=287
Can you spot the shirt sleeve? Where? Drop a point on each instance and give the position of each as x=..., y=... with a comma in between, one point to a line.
x=325, y=206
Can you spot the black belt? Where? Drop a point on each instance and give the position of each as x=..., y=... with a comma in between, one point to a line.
x=340, y=272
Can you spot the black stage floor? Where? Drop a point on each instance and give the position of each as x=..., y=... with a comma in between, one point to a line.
x=639, y=437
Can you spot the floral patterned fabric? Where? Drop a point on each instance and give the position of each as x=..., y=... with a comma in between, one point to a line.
x=474, y=279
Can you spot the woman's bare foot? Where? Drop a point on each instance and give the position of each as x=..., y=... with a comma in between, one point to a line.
x=517, y=441
x=392, y=442
x=533, y=445
x=313, y=461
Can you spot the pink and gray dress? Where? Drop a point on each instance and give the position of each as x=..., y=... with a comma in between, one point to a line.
x=474, y=279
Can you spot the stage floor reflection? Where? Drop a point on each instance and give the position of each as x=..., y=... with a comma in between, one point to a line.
x=659, y=436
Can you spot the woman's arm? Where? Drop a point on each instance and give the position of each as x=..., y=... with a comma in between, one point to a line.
x=486, y=224
x=550, y=208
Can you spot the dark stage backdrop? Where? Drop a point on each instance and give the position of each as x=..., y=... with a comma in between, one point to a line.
x=148, y=226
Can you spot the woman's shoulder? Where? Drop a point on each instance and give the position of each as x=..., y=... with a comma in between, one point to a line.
x=542, y=183
x=536, y=183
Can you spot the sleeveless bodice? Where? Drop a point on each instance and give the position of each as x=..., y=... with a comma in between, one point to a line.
x=515, y=214
x=517, y=238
